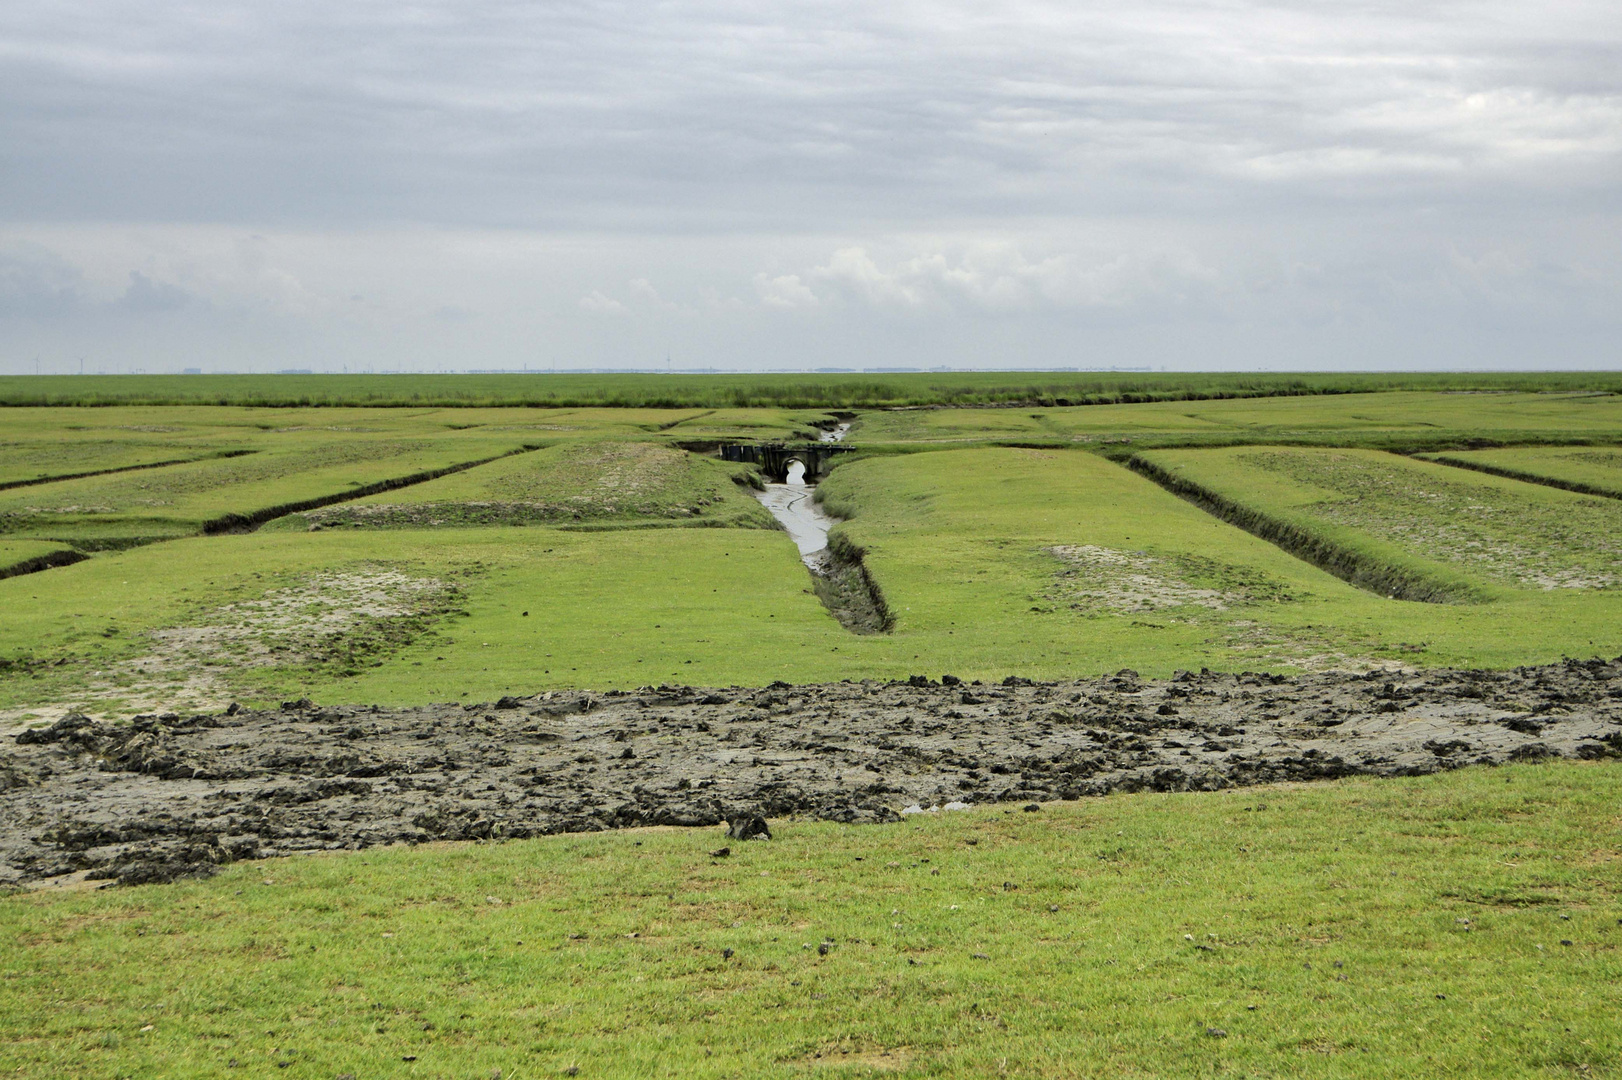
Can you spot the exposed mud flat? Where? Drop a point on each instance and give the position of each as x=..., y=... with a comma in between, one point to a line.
x=170, y=796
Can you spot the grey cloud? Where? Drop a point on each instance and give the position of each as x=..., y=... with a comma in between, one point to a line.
x=37, y=283
x=145, y=295
x=725, y=114
x=1184, y=182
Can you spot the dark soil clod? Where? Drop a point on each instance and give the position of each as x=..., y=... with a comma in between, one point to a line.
x=749, y=828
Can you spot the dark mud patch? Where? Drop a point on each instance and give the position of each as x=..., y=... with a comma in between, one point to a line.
x=170, y=795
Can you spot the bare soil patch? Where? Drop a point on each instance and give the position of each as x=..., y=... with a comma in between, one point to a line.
x=172, y=795
x=341, y=621
x=1100, y=579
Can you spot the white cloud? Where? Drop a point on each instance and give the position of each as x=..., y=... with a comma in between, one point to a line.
x=784, y=291
x=643, y=290
x=600, y=304
x=999, y=278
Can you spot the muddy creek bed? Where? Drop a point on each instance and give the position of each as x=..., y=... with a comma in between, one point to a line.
x=168, y=796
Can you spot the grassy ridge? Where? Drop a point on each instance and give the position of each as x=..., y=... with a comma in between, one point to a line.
x=801, y=391
x=1589, y=471
x=1387, y=522
x=604, y=482
x=1347, y=561
x=1460, y=924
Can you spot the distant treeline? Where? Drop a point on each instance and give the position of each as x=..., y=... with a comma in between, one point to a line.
x=792, y=391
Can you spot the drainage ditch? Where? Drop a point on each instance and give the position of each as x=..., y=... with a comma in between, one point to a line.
x=838, y=573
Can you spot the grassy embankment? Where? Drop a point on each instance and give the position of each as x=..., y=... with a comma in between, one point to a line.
x=1591, y=470
x=1461, y=924
x=586, y=482
x=1410, y=527
x=796, y=391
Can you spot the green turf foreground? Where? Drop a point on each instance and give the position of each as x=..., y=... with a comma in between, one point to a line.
x=1460, y=924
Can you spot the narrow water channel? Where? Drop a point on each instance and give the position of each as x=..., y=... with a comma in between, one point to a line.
x=792, y=504
x=836, y=435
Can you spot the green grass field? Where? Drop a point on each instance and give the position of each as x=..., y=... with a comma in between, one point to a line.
x=1039, y=563
x=868, y=390
x=1467, y=923
x=989, y=545
x=1413, y=420
x=215, y=617
x=180, y=500
x=27, y=464
x=1367, y=928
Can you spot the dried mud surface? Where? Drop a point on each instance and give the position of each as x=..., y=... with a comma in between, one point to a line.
x=169, y=796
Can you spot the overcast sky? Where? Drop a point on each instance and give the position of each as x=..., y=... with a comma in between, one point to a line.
x=360, y=184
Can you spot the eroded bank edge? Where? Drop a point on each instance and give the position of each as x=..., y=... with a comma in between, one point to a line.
x=43, y=562
x=847, y=589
